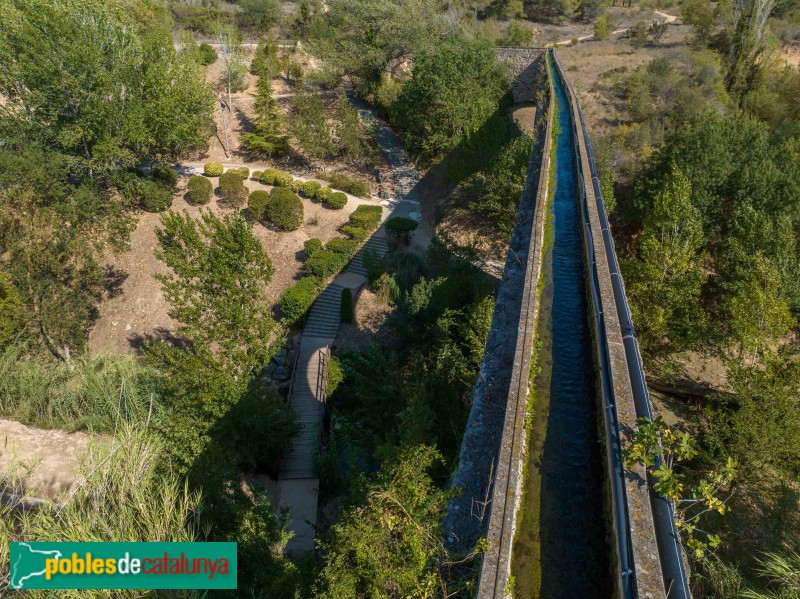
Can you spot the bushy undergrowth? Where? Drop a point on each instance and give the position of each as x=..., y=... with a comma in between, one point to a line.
x=284, y=209
x=92, y=394
x=297, y=299
x=348, y=184
x=200, y=190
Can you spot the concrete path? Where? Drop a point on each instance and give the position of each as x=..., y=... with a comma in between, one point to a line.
x=298, y=485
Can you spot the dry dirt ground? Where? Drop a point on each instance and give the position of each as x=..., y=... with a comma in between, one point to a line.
x=50, y=457
x=368, y=326
x=140, y=311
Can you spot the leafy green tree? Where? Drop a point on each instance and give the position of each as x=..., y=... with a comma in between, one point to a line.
x=759, y=315
x=391, y=544
x=454, y=89
x=309, y=125
x=517, y=34
x=216, y=290
x=602, y=28
x=665, y=282
x=81, y=77
x=365, y=38
x=749, y=46
x=268, y=138
x=654, y=439
x=258, y=14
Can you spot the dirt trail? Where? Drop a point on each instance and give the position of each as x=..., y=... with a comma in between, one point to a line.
x=668, y=19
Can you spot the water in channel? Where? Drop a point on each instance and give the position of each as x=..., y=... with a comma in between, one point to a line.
x=561, y=550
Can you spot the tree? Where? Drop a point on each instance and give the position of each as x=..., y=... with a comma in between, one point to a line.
x=268, y=138
x=699, y=15
x=259, y=14
x=310, y=126
x=759, y=315
x=665, y=281
x=217, y=291
x=517, y=34
x=455, y=87
x=602, y=29
x=749, y=46
x=366, y=38
x=230, y=50
x=83, y=78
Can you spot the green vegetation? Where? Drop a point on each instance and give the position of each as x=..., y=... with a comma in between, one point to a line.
x=231, y=186
x=297, y=299
x=200, y=190
x=346, y=305
x=337, y=200
x=312, y=245
x=348, y=184
x=213, y=169
x=284, y=210
x=268, y=138
x=257, y=204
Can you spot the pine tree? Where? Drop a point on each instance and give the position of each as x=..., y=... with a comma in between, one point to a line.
x=268, y=138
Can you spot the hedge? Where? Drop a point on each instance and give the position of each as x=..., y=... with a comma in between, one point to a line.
x=297, y=299
x=200, y=190
x=323, y=194
x=346, y=305
x=166, y=175
x=366, y=217
x=312, y=246
x=324, y=263
x=257, y=175
x=257, y=204
x=232, y=188
x=310, y=188
x=357, y=234
x=340, y=245
x=337, y=201
x=283, y=179
x=242, y=171
x=155, y=196
x=213, y=169
x=348, y=184
x=296, y=185
x=284, y=210
x=268, y=176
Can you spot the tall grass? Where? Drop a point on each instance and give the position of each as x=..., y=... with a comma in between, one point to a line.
x=126, y=496
x=90, y=393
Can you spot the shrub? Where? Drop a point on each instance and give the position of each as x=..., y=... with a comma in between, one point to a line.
x=268, y=176
x=297, y=299
x=311, y=246
x=232, y=188
x=310, y=188
x=602, y=28
x=284, y=210
x=200, y=190
x=257, y=204
x=283, y=179
x=296, y=185
x=340, y=245
x=323, y=194
x=357, y=234
x=257, y=175
x=213, y=169
x=348, y=184
x=208, y=55
x=337, y=200
x=154, y=196
x=366, y=217
x=325, y=263
x=346, y=305
x=166, y=175
x=242, y=171
x=401, y=228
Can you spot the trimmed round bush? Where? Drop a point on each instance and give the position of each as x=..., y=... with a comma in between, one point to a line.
x=312, y=246
x=257, y=203
x=297, y=299
x=208, y=55
x=200, y=190
x=324, y=263
x=232, y=188
x=346, y=305
x=357, y=234
x=283, y=179
x=366, y=217
x=296, y=185
x=310, y=188
x=155, y=196
x=337, y=201
x=401, y=228
x=166, y=175
x=340, y=245
x=268, y=176
x=323, y=194
x=257, y=175
x=284, y=209
x=213, y=169
x=243, y=172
